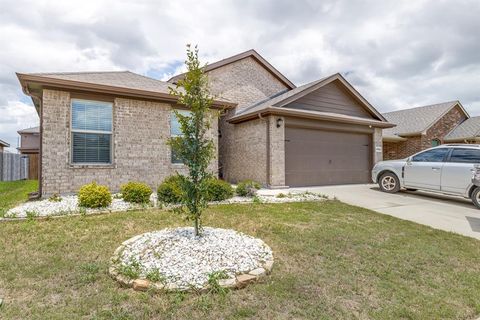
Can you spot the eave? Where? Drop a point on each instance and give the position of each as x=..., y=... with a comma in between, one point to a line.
x=282, y=111
x=71, y=85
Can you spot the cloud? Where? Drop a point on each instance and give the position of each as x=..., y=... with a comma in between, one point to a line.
x=397, y=53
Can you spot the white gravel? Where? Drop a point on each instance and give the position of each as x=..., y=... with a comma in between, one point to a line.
x=187, y=261
x=68, y=205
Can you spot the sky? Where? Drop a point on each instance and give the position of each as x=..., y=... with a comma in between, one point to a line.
x=398, y=54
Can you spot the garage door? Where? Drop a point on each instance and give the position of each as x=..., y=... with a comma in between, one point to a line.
x=320, y=157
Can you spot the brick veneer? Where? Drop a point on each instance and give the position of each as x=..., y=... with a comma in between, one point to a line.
x=140, y=153
x=242, y=147
x=414, y=144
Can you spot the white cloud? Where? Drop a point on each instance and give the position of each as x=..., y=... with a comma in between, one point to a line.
x=397, y=53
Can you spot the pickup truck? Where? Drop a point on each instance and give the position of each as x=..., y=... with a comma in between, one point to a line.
x=452, y=169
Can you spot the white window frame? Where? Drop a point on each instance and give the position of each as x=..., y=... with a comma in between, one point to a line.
x=98, y=164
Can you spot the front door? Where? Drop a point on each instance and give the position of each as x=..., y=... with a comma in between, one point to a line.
x=424, y=170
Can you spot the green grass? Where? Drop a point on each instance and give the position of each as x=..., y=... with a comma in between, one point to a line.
x=332, y=261
x=15, y=192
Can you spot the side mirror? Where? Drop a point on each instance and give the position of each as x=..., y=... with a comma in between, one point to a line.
x=409, y=159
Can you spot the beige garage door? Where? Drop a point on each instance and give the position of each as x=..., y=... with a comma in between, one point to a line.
x=320, y=157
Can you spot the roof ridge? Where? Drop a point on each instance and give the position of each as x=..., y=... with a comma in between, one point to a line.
x=147, y=77
x=425, y=106
x=78, y=72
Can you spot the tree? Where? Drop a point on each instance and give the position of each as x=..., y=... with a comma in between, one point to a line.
x=194, y=148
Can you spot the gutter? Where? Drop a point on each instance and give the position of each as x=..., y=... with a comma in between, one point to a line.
x=107, y=89
x=310, y=115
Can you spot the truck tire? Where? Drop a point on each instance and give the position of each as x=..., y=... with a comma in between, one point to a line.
x=389, y=182
x=476, y=197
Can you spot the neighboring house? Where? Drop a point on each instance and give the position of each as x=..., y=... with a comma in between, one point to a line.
x=467, y=132
x=420, y=128
x=112, y=127
x=3, y=145
x=29, y=140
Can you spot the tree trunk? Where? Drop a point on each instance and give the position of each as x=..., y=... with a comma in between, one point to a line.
x=196, y=227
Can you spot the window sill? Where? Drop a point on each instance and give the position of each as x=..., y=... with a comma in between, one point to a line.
x=91, y=166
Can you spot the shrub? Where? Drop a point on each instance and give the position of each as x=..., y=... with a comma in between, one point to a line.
x=218, y=190
x=170, y=191
x=93, y=195
x=248, y=188
x=136, y=192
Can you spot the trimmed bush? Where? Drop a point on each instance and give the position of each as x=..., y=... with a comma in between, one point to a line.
x=218, y=190
x=169, y=191
x=248, y=188
x=136, y=192
x=93, y=195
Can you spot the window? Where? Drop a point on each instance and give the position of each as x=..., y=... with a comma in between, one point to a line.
x=176, y=131
x=465, y=155
x=435, y=155
x=436, y=143
x=91, y=137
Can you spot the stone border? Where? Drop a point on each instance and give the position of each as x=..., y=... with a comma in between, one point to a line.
x=238, y=282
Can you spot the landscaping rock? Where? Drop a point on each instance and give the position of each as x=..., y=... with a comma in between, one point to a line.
x=257, y=272
x=244, y=279
x=228, y=283
x=186, y=262
x=268, y=266
x=141, y=285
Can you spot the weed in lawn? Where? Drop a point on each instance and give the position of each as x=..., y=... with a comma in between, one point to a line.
x=131, y=270
x=256, y=199
x=55, y=198
x=155, y=276
x=32, y=214
x=281, y=195
x=213, y=281
x=90, y=272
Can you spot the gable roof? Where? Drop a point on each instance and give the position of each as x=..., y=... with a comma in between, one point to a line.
x=278, y=102
x=4, y=144
x=30, y=130
x=468, y=129
x=416, y=121
x=249, y=53
x=120, y=83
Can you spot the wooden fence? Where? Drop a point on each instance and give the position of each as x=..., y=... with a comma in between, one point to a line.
x=13, y=166
x=33, y=166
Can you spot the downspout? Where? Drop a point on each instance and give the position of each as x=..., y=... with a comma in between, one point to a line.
x=40, y=154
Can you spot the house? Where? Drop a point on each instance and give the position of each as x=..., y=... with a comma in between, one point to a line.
x=29, y=140
x=467, y=132
x=112, y=127
x=420, y=128
x=3, y=145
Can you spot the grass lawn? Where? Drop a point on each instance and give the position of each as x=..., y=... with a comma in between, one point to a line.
x=15, y=192
x=332, y=261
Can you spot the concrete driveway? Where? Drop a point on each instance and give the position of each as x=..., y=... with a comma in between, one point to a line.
x=437, y=211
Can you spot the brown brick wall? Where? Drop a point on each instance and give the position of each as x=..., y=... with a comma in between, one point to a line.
x=140, y=153
x=439, y=130
x=244, y=82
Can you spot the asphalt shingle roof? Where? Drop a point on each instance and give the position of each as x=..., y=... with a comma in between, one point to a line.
x=415, y=120
x=468, y=129
x=124, y=79
x=30, y=130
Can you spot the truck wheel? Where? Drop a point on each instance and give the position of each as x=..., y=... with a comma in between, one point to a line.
x=476, y=197
x=389, y=182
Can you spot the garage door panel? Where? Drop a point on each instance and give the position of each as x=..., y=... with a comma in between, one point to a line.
x=320, y=157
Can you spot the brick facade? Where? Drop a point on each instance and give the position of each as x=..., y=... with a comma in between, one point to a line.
x=140, y=153
x=242, y=147
x=414, y=144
